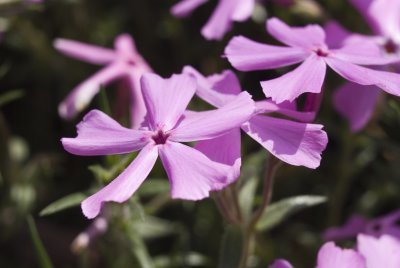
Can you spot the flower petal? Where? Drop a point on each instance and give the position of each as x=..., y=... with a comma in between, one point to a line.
x=389, y=82
x=217, y=89
x=220, y=21
x=98, y=134
x=84, y=52
x=287, y=109
x=125, y=46
x=354, y=225
x=379, y=252
x=228, y=152
x=192, y=175
x=211, y=124
x=384, y=18
x=305, y=37
x=185, y=7
x=298, y=144
x=280, y=263
x=81, y=95
x=247, y=55
x=331, y=256
x=122, y=187
x=243, y=9
x=166, y=99
x=357, y=112
x=308, y=77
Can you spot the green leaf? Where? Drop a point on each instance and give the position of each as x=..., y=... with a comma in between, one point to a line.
x=188, y=260
x=68, y=201
x=281, y=210
x=246, y=196
x=139, y=248
x=153, y=227
x=231, y=248
x=11, y=96
x=43, y=257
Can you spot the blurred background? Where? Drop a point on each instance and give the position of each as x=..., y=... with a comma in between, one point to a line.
x=359, y=172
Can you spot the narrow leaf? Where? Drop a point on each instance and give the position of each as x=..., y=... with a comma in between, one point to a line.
x=281, y=210
x=43, y=257
x=68, y=201
x=11, y=96
x=231, y=248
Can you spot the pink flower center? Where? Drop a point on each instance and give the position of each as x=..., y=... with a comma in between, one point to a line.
x=391, y=47
x=160, y=137
x=321, y=52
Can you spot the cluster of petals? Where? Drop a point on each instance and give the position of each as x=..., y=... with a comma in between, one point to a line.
x=123, y=62
x=167, y=125
x=356, y=224
x=383, y=16
x=296, y=143
x=371, y=252
x=311, y=47
x=221, y=20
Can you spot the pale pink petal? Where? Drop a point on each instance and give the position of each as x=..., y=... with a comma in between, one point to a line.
x=384, y=17
x=122, y=187
x=308, y=77
x=185, y=7
x=331, y=256
x=137, y=107
x=247, y=55
x=125, y=46
x=287, y=109
x=388, y=224
x=191, y=174
x=228, y=151
x=243, y=10
x=305, y=37
x=389, y=82
x=217, y=89
x=220, y=21
x=357, y=112
x=98, y=134
x=335, y=34
x=280, y=263
x=84, y=52
x=211, y=124
x=298, y=144
x=166, y=99
x=383, y=252
x=80, y=96
x=365, y=52
x=355, y=225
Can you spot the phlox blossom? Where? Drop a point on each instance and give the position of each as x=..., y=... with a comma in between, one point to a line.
x=122, y=62
x=226, y=12
x=191, y=173
x=309, y=46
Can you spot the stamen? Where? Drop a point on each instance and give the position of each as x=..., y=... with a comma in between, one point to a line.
x=160, y=137
x=321, y=52
x=391, y=47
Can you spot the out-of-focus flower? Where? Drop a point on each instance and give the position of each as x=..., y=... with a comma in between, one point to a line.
x=387, y=224
x=309, y=46
x=371, y=253
x=122, y=62
x=192, y=174
x=296, y=143
x=220, y=22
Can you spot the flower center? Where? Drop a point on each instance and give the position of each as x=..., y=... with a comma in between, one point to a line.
x=160, y=137
x=390, y=47
x=321, y=52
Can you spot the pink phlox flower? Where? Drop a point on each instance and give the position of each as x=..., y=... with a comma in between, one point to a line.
x=307, y=45
x=221, y=20
x=296, y=143
x=387, y=224
x=383, y=16
x=191, y=173
x=122, y=62
x=370, y=252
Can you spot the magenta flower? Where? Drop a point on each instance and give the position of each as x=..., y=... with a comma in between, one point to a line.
x=371, y=253
x=296, y=143
x=192, y=174
x=307, y=45
x=387, y=224
x=226, y=12
x=122, y=62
